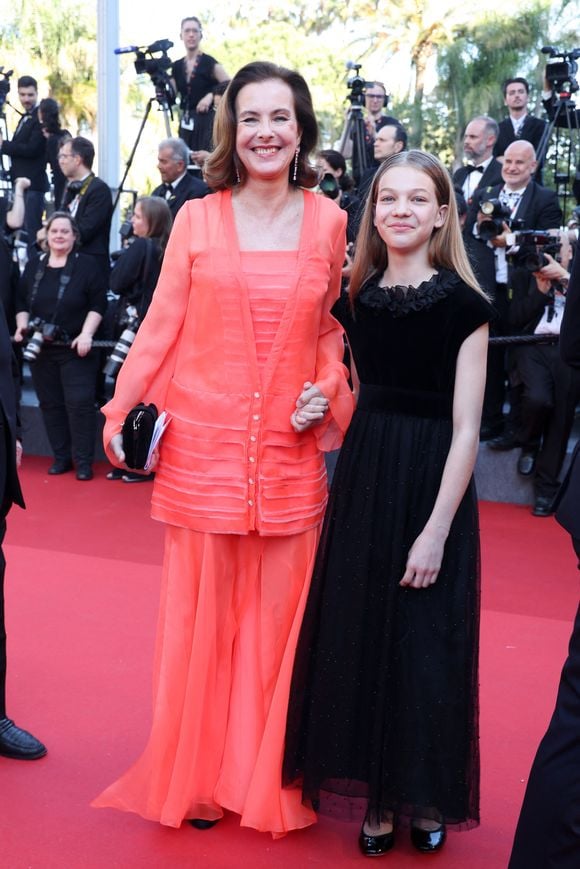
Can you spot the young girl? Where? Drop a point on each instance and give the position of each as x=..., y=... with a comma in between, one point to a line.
x=383, y=709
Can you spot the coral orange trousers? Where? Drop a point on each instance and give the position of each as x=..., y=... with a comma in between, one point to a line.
x=230, y=614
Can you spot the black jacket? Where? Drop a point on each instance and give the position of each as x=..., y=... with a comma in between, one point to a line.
x=532, y=131
x=10, y=491
x=93, y=218
x=489, y=178
x=27, y=152
x=188, y=188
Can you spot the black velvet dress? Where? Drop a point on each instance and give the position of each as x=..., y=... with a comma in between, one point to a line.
x=383, y=708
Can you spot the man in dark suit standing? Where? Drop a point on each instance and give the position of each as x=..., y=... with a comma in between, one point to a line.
x=87, y=198
x=519, y=124
x=482, y=170
x=14, y=742
x=27, y=152
x=537, y=208
x=178, y=185
x=547, y=834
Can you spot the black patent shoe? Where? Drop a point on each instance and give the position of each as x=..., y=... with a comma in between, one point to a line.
x=428, y=841
x=17, y=743
x=60, y=467
x=84, y=473
x=375, y=846
x=202, y=824
x=543, y=506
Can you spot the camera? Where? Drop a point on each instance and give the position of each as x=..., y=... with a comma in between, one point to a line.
x=561, y=68
x=155, y=67
x=38, y=333
x=531, y=245
x=357, y=85
x=329, y=185
x=4, y=85
x=496, y=214
x=122, y=347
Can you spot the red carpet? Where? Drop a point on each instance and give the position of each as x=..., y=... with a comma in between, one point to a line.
x=83, y=574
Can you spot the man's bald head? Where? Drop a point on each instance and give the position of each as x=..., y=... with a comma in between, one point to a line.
x=519, y=164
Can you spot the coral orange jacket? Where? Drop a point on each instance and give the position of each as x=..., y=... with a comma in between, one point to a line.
x=230, y=461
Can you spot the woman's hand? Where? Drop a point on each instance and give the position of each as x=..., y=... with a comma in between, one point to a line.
x=424, y=560
x=205, y=103
x=20, y=334
x=82, y=344
x=311, y=406
x=116, y=447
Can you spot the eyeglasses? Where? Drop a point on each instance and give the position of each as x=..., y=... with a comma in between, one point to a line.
x=375, y=96
x=63, y=155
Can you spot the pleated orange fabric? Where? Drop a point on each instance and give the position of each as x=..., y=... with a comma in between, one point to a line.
x=231, y=609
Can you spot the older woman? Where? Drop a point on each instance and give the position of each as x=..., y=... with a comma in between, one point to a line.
x=63, y=298
x=248, y=366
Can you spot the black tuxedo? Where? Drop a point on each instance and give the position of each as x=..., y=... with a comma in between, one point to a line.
x=490, y=177
x=188, y=188
x=93, y=218
x=532, y=131
x=10, y=491
x=27, y=152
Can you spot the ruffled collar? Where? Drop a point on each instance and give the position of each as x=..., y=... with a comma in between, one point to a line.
x=401, y=300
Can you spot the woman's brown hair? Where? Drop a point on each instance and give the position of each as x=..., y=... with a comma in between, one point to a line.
x=156, y=212
x=446, y=248
x=223, y=168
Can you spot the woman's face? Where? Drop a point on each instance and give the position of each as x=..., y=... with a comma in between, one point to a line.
x=60, y=236
x=267, y=130
x=325, y=166
x=407, y=210
x=139, y=222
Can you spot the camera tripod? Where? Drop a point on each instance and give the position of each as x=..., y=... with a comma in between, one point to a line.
x=168, y=114
x=354, y=131
x=563, y=133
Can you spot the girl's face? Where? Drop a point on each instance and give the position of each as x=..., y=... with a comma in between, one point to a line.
x=139, y=222
x=60, y=236
x=407, y=210
x=267, y=133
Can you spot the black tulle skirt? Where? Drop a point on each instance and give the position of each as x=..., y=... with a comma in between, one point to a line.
x=383, y=711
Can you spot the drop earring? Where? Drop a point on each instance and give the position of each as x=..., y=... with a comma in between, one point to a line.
x=295, y=173
x=238, y=179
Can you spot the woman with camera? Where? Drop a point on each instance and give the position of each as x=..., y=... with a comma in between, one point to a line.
x=62, y=299
x=134, y=277
x=338, y=186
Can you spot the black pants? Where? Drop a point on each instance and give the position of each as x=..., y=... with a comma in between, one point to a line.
x=548, y=830
x=65, y=386
x=551, y=390
x=2, y=623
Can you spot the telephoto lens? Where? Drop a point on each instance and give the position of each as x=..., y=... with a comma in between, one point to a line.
x=121, y=348
x=34, y=346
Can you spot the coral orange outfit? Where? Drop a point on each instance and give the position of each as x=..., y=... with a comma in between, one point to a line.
x=226, y=347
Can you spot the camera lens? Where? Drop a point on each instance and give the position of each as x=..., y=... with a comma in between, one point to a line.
x=34, y=346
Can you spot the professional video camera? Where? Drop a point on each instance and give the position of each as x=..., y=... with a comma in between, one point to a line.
x=155, y=67
x=357, y=85
x=40, y=332
x=530, y=246
x=561, y=69
x=4, y=85
x=496, y=214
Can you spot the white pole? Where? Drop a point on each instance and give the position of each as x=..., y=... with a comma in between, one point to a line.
x=108, y=87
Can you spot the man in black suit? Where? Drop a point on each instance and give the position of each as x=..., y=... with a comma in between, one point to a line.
x=547, y=834
x=537, y=208
x=87, y=198
x=178, y=185
x=14, y=742
x=519, y=124
x=482, y=170
x=27, y=152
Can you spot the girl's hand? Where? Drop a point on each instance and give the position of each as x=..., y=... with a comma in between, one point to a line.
x=424, y=560
x=311, y=406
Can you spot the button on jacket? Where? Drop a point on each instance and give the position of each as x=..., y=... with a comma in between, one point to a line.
x=230, y=461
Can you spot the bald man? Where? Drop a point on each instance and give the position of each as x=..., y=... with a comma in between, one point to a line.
x=537, y=208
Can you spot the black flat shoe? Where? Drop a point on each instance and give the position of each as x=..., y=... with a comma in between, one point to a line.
x=84, y=473
x=17, y=743
x=59, y=467
x=543, y=506
x=526, y=464
x=202, y=824
x=115, y=474
x=374, y=846
x=428, y=841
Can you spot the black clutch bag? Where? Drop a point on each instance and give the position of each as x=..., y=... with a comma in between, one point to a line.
x=137, y=432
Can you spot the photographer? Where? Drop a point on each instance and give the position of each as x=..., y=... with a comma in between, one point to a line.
x=63, y=295
x=518, y=202
x=550, y=388
x=337, y=184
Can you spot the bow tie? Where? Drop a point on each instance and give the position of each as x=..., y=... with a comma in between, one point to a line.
x=471, y=169
x=510, y=197
x=168, y=191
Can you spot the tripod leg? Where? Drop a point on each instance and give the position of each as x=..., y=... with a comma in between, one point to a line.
x=132, y=154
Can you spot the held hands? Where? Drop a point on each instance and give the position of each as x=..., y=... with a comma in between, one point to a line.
x=116, y=447
x=424, y=560
x=311, y=405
